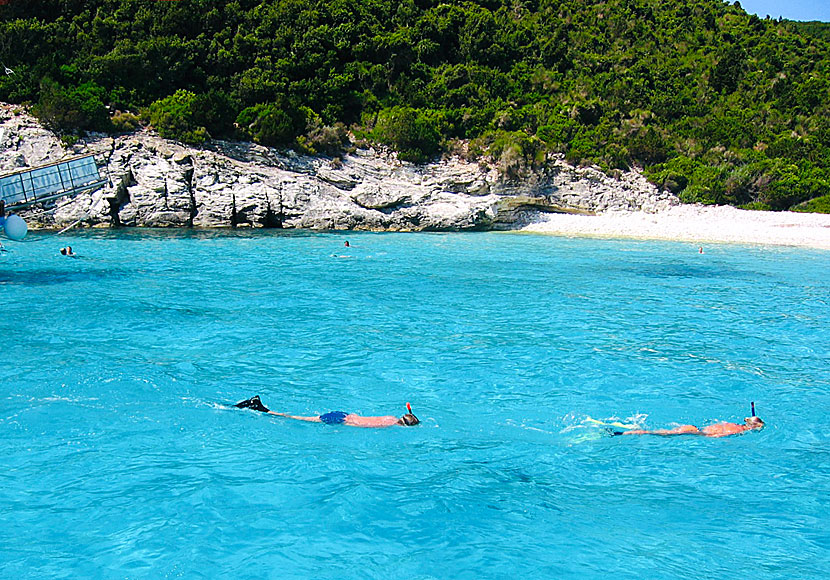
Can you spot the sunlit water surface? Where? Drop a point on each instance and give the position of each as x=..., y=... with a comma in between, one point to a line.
x=123, y=459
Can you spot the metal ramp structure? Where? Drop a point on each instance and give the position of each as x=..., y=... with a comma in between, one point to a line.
x=50, y=182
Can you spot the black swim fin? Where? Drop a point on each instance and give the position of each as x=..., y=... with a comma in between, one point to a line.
x=252, y=403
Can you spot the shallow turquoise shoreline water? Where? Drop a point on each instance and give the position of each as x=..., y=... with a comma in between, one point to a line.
x=123, y=459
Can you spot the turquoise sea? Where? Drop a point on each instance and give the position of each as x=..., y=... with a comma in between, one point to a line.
x=122, y=456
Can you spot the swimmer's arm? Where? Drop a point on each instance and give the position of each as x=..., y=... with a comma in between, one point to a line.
x=314, y=419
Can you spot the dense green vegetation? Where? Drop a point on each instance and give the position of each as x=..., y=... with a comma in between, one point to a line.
x=716, y=105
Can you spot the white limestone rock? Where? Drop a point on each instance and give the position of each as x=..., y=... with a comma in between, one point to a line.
x=158, y=183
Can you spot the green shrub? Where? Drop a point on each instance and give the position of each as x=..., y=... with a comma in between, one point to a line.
x=557, y=132
x=124, y=122
x=581, y=149
x=793, y=186
x=413, y=133
x=514, y=152
x=707, y=185
x=63, y=109
x=815, y=205
x=728, y=71
x=173, y=118
x=647, y=146
x=271, y=124
x=322, y=139
x=215, y=111
x=674, y=174
x=68, y=140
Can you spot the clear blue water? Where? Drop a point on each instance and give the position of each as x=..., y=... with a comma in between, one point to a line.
x=123, y=459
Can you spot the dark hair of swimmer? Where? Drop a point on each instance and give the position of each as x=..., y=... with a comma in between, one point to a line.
x=63, y=251
x=409, y=419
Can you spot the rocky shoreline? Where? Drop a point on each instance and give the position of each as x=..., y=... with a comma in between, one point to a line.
x=154, y=182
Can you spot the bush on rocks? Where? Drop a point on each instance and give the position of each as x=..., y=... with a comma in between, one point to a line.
x=173, y=117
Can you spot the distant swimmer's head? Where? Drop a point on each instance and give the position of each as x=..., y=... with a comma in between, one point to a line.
x=63, y=251
x=346, y=244
x=409, y=419
x=754, y=422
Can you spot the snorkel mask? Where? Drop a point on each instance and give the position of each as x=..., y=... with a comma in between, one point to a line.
x=409, y=419
x=754, y=421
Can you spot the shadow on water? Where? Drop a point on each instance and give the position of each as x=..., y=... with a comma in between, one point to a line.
x=145, y=234
x=51, y=276
x=685, y=270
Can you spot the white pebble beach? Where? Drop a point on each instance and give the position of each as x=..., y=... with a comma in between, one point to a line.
x=695, y=223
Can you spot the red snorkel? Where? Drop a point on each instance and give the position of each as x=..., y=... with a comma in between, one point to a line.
x=409, y=419
x=409, y=408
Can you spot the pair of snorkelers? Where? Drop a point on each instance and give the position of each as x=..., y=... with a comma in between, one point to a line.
x=337, y=417
x=722, y=429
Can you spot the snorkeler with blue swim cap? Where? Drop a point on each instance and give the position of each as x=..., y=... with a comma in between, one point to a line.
x=337, y=417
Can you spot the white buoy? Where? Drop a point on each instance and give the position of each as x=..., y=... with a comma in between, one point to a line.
x=16, y=227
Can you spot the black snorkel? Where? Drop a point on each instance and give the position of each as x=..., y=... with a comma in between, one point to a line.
x=754, y=422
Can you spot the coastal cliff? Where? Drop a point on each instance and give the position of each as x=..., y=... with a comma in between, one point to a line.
x=153, y=182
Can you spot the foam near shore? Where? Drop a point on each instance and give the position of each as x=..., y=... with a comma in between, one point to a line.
x=695, y=223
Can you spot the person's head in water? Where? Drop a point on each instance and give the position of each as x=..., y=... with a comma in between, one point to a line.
x=754, y=422
x=346, y=243
x=409, y=419
x=63, y=251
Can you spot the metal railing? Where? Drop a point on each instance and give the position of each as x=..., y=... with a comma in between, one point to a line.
x=48, y=182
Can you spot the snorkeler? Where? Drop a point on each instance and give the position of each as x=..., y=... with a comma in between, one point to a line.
x=337, y=417
x=722, y=429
